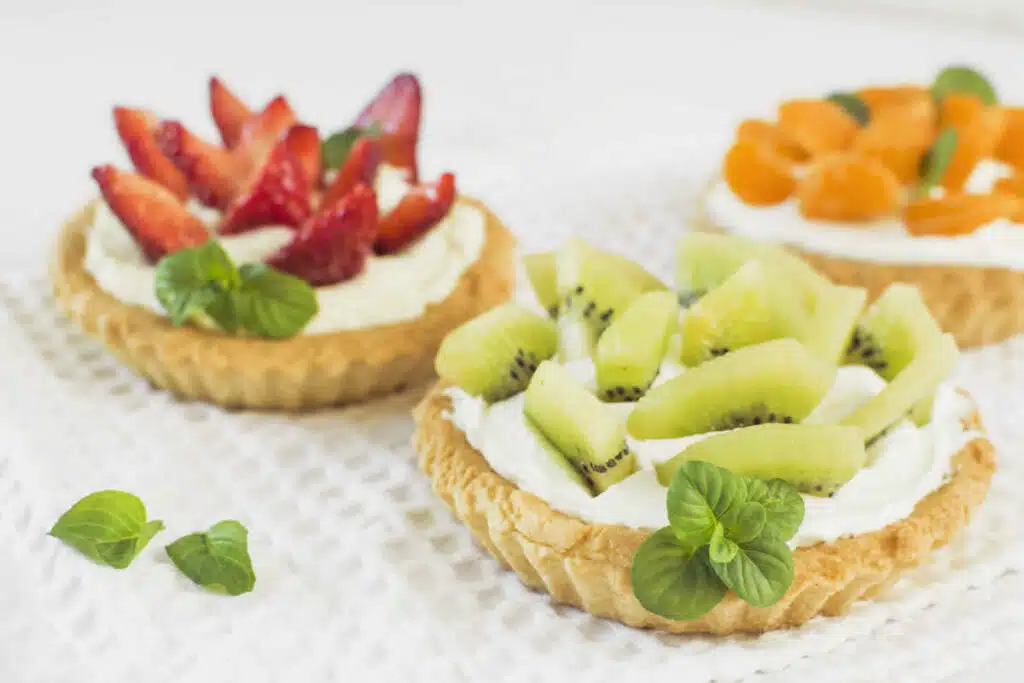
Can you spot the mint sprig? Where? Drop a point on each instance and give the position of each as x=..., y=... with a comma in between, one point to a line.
x=202, y=285
x=217, y=559
x=726, y=531
x=335, y=149
x=963, y=79
x=936, y=160
x=853, y=105
x=108, y=526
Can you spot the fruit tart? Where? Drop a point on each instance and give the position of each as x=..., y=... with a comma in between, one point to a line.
x=742, y=454
x=278, y=269
x=904, y=183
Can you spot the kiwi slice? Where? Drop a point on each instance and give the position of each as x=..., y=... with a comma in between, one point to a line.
x=816, y=459
x=778, y=381
x=587, y=432
x=836, y=313
x=540, y=270
x=559, y=459
x=630, y=351
x=593, y=288
x=892, y=330
x=495, y=354
x=909, y=392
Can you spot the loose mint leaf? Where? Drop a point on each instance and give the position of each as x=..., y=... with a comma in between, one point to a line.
x=936, y=160
x=745, y=522
x=783, y=505
x=218, y=559
x=760, y=573
x=853, y=105
x=671, y=580
x=962, y=79
x=108, y=526
x=336, y=148
x=721, y=549
x=273, y=304
x=191, y=281
x=698, y=497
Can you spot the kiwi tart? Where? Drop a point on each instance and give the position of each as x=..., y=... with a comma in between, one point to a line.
x=695, y=461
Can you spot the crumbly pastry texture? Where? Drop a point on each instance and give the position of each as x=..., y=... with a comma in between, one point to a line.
x=587, y=565
x=976, y=305
x=303, y=372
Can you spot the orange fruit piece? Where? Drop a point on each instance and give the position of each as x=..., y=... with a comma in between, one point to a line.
x=763, y=132
x=899, y=135
x=957, y=214
x=758, y=174
x=979, y=128
x=848, y=187
x=818, y=126
x=1013, y=186
x=882, y=97
x=1011, y=145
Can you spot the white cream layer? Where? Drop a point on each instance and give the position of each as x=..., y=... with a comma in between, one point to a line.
x=391, y=289
x=909, y=462
x=998, y=244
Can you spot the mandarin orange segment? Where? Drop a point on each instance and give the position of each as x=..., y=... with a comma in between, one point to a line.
x=1013, y=186
x=818, y=126
x=763, y=132
x=979, y=128
x=899, y=136
x=879, y=98
x=957, y=214
x=848, y=187
x=1011, y=145
x=758, y=174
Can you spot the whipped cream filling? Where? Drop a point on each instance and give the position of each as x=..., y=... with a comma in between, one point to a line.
x=908, y=463
x=998, y=244
x=391, y=289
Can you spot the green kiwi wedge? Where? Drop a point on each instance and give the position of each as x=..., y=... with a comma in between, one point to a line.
x=777, y=381
x=587, y=432
x=816, y=459
x=563, y=462
x=895, y=326
x=837, y=310
x=593, y=288
x=909, y=393
x=495, y=354
x=540, y=270
x=630, y=351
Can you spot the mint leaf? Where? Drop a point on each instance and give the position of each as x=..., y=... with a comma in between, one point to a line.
x=962, y=79
x=936, y=160
x=673, y=581
x=108, y=526
x=853, y=105
x=190, y=280
x=698, y=497
x=783, y=505
x=273, y=304
x=721, y=549
x=217, y=559
x=745, y=522
x=336, y=148
x=760, y=573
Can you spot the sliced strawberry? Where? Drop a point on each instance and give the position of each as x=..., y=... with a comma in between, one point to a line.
x=279, y=195
x=360, y=167
x=156, y=218
x=229, y=112
x=305, y=142
x=333, y=245
x=261, y=132
x=420, y=210
x=137, y=129
x=396, y=111
x=211, y=171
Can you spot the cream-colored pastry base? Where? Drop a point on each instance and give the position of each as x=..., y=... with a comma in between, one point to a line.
x=978, y=306
x=306, y=371
x=587, y=565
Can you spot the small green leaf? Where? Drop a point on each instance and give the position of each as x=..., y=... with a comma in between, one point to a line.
x=760, y=573
x=745, y=522
x=218, y=559
x=721, y=549
x=273, y=304
x=962, y=79
x=336, y=148
x=670, y=580
x=783, y=505
x=853, y=105
x=190, y=281
x=698, y=497
x=108, y=526
x=936, y=160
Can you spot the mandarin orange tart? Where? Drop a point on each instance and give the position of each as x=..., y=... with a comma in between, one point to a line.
x=742, y=453
x=892, y=183
x=279, y=269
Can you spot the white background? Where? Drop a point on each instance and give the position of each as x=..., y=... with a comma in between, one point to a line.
x=509, y=86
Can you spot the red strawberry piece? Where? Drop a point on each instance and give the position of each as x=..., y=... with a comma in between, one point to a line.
x=137, y=128
x=156, y=218
x=211, y=171
x=396, y=110
x=261, y=132
x=420, y=210
x=333, y=245
x=305, y=142
x=360, y=167
x=229, y=112
x=279, y=195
